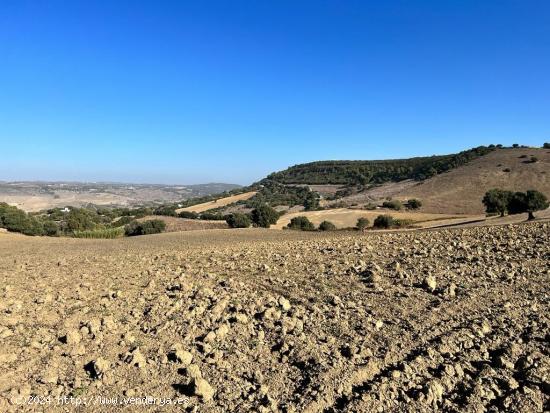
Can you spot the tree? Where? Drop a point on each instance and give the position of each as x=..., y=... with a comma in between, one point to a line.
x=80, y=219
x=51, y=228
x=546, y=145
x=383, y=221
x=188, y=215
x=301, y=223
x=153, y=226
x=496, y=200
x=414, y=203
x=362, y=223
x=264, y=216
x=327, y=226
x=238, y=220
x=535, y=201
x=166, y=210
x=311, y=202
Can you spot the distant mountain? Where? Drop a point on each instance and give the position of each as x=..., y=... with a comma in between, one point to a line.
x=35, y=196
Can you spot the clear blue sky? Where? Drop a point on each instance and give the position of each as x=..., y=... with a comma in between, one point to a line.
x=200, y=91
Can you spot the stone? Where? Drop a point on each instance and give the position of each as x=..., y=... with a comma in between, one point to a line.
x=203, y=389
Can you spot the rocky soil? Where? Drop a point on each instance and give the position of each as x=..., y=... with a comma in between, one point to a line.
x=268, y=321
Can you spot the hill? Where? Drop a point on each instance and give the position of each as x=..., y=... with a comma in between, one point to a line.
x=36, y=196
x=378, y=171
x=460, y=190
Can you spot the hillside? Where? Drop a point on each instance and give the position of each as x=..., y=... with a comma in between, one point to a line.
x=36, y=196
x=460, y=190
x=377, y=171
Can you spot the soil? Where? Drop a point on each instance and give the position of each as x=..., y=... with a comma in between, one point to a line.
x=279, y=321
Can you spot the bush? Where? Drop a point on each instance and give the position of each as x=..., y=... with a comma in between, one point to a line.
x=264, y=216
x=414, y=203
x=153, y=226
x=396, y=205
x=362, y=223
x=80, y=219
x=301, y=223
x=383, y=221
x=51, y=229
x=327, y=226
x=237, y=220
x=403, y=223
x=370, y=206
x=123, y=220
x=533, y=159
x=166, y=210
x=188, y=215
x=15, y=220
x=209, y=216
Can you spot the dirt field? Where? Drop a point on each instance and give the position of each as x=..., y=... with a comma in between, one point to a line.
x=279, y=321
x=219, y=203
x=347, y=218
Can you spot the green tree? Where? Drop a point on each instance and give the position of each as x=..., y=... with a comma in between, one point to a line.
x=496, y=200
x=238, y=220
x=301, y=223
x=188, y=215
x=311, y=202
x=535, y=201
x=80, y=219
x=264, y=216
x=383, y=221
x=362, y=223
x=414, y=203
x=153, y=226
x=166, y=210
x=327, y=226
x=546, y=145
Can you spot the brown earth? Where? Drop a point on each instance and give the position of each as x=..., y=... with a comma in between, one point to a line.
x=279, y=321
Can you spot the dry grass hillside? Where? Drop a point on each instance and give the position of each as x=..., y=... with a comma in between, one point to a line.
x=218, y=203
x=460, y=191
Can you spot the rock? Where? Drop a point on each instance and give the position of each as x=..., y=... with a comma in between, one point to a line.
x=136, y=358
x=203, y=389
x=430, y=283
x=72, y=337
x=179, y=355
x=97, y=368
x=193, y=371
x=285, y=304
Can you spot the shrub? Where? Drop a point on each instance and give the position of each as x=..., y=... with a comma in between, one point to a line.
x=383, y=221
x=51, y=229
x=16, y=220
x=370, y=206
x=237, y=220
x=264, y=216
x=301, y=223
x=327, y=226
x=166, y=210
x=123, y=220
x=396, y=205
x=188, y=215
x=362, y=223
x=414, y=203
x=209, y=216
x=80, y=219
x=403, y=223
x=533, y=159
x=153, y=226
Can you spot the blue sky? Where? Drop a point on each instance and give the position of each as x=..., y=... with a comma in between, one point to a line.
x=228, y=91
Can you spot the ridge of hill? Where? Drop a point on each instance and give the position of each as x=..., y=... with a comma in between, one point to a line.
x=376, y=171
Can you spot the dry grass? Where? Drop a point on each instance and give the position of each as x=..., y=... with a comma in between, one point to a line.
x=218, y=203
x=345, y=218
